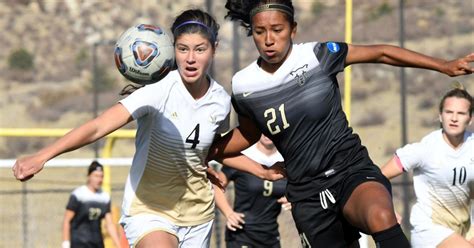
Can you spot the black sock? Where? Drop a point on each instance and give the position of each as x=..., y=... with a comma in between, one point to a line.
x=391, y=238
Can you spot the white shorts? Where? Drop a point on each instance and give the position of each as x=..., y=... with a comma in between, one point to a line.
x=429, y=236
x=136, y=227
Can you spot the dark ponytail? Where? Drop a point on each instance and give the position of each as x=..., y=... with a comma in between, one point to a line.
x=240, y=10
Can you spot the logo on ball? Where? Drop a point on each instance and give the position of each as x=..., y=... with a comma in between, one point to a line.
x=144, y=52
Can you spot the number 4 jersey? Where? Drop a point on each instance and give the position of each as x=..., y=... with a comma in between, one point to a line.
x=175, y=131
x=442, y=178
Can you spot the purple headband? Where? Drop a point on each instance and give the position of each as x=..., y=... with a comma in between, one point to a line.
x=197, y=23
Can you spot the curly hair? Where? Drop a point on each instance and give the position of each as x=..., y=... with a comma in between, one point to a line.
x=240, y=10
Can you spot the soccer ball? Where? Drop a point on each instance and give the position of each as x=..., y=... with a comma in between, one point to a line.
x=144, y=54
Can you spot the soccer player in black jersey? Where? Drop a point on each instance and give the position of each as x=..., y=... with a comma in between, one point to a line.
x=257, y=203
x=86, y=208
x=291, y=94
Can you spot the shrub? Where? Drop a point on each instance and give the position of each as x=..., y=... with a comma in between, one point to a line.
x=383, y=9
x=317, y=7
x=21, y=59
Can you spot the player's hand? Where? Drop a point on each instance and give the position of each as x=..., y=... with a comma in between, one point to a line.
x=25, y=168
x=213, y=176
x=460, y=66
x=275, y=172
x=235, y=220
x=285, y=204
x=471, y=240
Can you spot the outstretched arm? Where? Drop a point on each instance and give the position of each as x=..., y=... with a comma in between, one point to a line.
x=392, y=168
x=397, y=56
x=243, y=163
x=109, y=121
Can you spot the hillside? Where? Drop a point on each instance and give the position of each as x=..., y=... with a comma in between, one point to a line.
x=60, y=34
x=58, y=91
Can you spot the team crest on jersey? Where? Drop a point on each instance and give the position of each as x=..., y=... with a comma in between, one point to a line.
x=333, y=47
x=212, y=119
x=300, y=74
x=174, y=115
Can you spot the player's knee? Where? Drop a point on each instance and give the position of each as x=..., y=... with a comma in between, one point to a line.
x=380, y=218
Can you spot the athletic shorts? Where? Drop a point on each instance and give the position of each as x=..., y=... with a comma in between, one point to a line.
x=137, y=227
x=320, y=221
x=430, y=235
x=241, y=244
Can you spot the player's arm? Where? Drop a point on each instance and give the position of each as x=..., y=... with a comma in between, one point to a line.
x=68, y=215
x=235, y=141
x=397, y=56
x=109, y=121
x=392, y=168
x=245, y=164
x=234, y=219
x=112, y=229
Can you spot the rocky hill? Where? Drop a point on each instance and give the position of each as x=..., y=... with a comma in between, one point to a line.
x=60, y=34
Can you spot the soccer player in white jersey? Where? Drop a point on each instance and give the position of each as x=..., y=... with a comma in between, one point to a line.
x=168, y=199
x=443, y=175
x=291, y=95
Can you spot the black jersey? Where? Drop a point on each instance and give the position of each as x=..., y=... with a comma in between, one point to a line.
x=257, y=199
x=89, y=208
x=299, y=108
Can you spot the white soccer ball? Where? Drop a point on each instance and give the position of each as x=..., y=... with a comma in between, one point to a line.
x=144, y=54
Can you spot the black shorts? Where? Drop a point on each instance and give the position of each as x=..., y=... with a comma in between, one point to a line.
x=241, y=244
x=320, y=221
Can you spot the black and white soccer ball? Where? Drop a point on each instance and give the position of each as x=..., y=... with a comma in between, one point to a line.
x=144, y=54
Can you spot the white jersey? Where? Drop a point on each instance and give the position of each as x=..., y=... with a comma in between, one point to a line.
x=442, y=179
x=175, y=131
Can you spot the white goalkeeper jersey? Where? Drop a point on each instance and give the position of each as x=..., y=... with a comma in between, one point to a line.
x=443, y=179
x=175, y=131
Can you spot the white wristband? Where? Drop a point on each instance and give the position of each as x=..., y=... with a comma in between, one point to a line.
x=66, y=244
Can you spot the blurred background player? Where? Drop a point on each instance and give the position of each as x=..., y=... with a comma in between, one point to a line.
x=257, y=203
x=86, y=208
x=443, y=175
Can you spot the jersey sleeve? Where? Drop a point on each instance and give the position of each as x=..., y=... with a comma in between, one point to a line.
x=331, y=56
x=139, y=102
x=73, y=203
x=224, y=125
x=151, y=97
x=108, y=207
x=239, y=108
x=229, y=172
x=411, y=155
